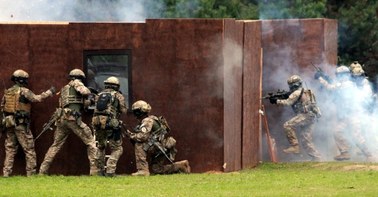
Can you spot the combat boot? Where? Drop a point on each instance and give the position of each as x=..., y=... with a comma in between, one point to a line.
x=5, y=174
x=30, y=173
x=141, y=173
x=342, y=156
x=292, y=149
x=183, y=166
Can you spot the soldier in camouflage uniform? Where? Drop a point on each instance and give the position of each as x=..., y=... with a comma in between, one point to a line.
x=348, y=109
x=148, y=136
x=304, y=105
x=109, y=105
x=71, y=103
x=16, y=106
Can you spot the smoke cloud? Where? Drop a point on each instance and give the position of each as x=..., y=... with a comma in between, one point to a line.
x=73, y=10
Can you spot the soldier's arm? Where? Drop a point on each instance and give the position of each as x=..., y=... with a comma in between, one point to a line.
x=122, y=103
x=145, y=131
x=80, y=87
x=326, y=84
x=33, y=97
x=291, y=100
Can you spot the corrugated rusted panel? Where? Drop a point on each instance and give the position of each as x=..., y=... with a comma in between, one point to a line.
x=252, y=74
x=49, y=52
x=181, y=81
x=232, y=66
x=330, y=40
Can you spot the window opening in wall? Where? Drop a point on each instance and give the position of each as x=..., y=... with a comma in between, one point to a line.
x=101, y=64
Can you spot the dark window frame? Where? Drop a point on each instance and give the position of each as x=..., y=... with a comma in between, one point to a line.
x=87, y=53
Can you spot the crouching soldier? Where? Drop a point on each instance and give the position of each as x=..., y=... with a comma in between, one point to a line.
x=16, y=106
x=109, y=105
x=153, y=147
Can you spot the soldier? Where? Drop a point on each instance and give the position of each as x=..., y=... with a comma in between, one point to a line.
x=72, y=102
x=109, y=105
x=348, y=110
x=152, y=145
x=16, y=106
x=304, y=105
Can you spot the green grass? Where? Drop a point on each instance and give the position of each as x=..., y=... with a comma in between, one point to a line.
x=283, y=179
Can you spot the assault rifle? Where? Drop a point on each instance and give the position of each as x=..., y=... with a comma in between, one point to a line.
x=153, y=141
x=321, y=73
x=280, y=94
x=48, y=125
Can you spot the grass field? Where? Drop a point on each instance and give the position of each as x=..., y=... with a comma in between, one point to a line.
x=282, y=179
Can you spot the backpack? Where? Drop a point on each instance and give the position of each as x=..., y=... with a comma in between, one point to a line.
x=104, y=100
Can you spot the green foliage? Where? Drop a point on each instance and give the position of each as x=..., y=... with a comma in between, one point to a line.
x=358, y=20
x=358, y=30
x=283, y=179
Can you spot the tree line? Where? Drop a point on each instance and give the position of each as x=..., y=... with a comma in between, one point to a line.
x=357, y=20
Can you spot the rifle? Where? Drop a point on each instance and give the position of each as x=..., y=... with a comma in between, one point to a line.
x=153, y=141
x=280, y=94
x=321, y=73
x=48, y=125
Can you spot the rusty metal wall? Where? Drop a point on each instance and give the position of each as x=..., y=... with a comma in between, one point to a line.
x=178, y=65
x=252, y=78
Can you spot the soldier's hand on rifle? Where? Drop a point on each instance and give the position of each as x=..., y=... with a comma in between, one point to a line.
x=273, y=100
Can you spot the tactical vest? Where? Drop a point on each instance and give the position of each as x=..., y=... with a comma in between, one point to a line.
x=306, y=103
x=15, y=102
x=160, y=127
x=70, y=98
x=107, y=104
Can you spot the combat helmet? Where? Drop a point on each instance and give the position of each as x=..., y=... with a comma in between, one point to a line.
x=77, y=74
x=20, y=76
x=140, y=108
x=354, y=65
x=112, y=82
x=357, y=71
x=294, y=82
x=342, y=72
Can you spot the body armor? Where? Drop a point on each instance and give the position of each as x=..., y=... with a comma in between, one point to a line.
x=15, y=102
x=306, y=103
x=70, y=96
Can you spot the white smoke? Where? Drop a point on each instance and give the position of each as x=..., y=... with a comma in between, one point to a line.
x=73, y=10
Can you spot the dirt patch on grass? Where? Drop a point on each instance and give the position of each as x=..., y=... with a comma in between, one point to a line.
x=360, y=167
x=347, y=166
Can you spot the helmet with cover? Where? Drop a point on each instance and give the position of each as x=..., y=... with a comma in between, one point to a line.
x=342, y=72
x=112, y=83
x=357, y=72
x=140, y=108
x=77, y=74
x=20, y=76
x=354, y=65
x=294, y=82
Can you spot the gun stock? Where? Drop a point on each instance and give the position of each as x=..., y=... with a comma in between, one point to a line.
x=48, y=125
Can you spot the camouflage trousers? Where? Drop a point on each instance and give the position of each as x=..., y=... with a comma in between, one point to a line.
x=63, y=129
x=350, y=127
x=157, y=162
x=103, y=139
x=15, y=136
x=304, y=124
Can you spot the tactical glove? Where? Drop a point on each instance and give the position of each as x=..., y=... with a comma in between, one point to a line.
x=273, y=100
x=318, y=74
x=52, y=89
